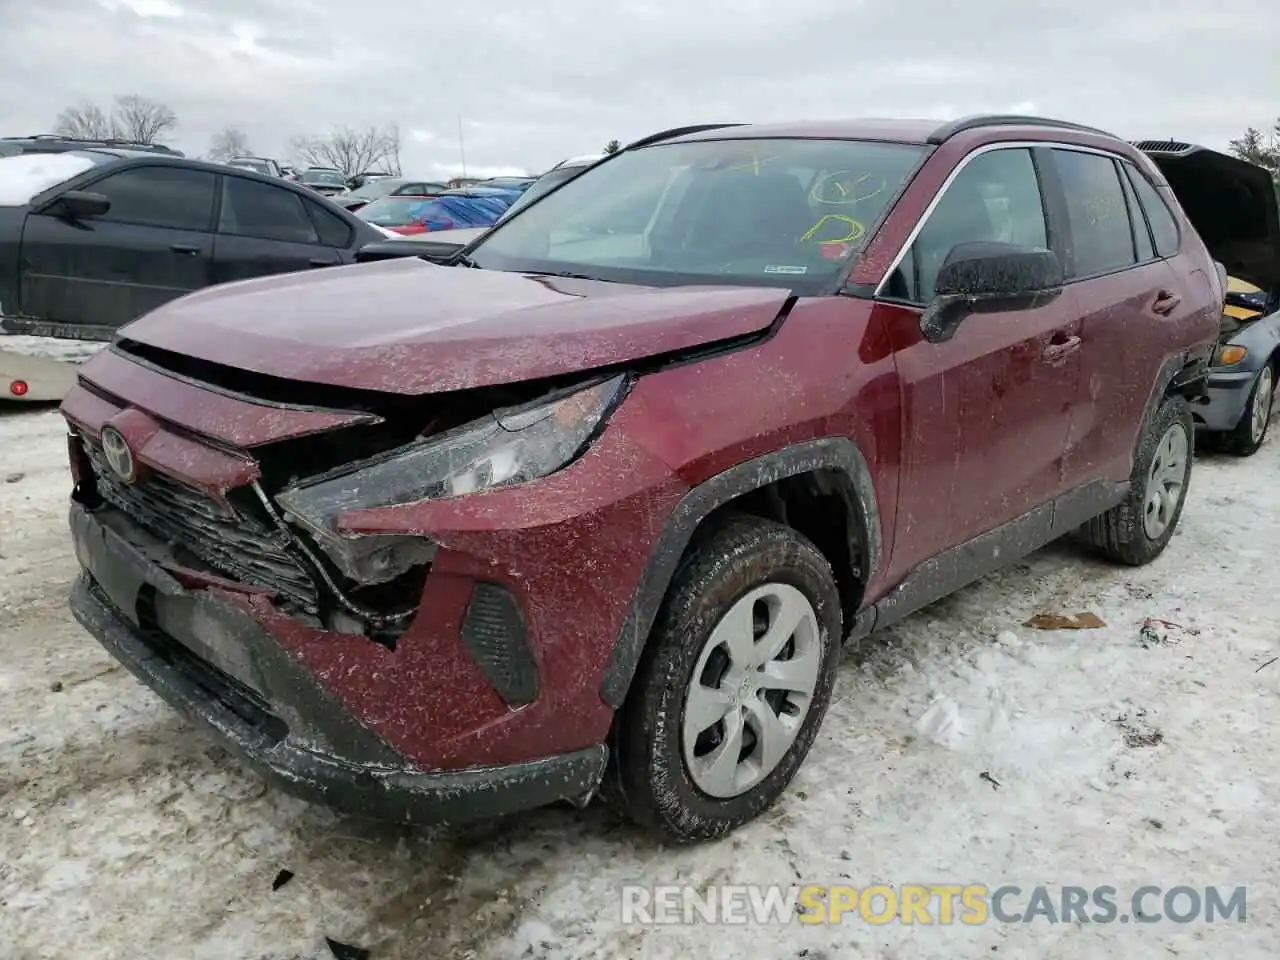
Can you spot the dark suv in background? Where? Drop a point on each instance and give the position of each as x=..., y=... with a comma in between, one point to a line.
x=594, y=507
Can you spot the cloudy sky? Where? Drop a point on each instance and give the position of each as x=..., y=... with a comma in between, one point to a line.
x=535, y=81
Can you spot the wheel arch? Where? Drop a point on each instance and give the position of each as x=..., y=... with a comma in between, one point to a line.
x=825, y=467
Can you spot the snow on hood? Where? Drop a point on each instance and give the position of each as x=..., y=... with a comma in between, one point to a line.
x=24, y=176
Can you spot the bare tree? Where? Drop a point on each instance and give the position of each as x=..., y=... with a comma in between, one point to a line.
x=132, y=118
x=143, y=120
x=85, y=122
x=613, y=146
x=231, y=142
x=351, y=151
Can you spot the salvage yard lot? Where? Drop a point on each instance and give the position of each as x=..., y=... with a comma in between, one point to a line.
x=126, y=832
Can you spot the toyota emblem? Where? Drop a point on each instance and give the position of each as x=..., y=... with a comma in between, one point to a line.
x=119, y=457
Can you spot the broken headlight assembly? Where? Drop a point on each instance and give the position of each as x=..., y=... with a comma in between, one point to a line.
x=509, y=446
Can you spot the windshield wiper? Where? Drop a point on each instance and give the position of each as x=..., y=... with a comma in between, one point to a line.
x=562, y=274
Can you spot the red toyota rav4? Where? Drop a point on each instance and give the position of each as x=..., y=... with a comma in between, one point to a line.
x=593, y=506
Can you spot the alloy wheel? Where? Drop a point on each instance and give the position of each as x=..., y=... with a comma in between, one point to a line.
x=1165, y=480
x=1260, y=412
x=751, y=690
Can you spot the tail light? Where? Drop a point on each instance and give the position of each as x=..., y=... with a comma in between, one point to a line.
x=19, y=388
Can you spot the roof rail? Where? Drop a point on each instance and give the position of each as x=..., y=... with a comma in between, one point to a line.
x=950, y=129
x=102, y=141
x=679, y=132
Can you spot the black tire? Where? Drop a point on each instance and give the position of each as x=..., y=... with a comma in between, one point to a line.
x=649, y=779
x=1120, y=534
x=1241, y=441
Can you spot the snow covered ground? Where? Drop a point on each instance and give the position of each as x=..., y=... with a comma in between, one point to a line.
x=124, y=832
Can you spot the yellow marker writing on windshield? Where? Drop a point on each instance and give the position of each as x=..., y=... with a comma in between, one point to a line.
x=848, y=195
x=856, y=229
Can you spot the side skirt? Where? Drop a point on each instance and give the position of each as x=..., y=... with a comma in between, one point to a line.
x=974, y=559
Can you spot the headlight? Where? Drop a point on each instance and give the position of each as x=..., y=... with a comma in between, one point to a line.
x=509, y=446
x=1228, y=355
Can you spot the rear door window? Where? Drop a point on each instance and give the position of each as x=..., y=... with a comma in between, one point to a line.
x=1164, y=228
x=264, y=211
x=161, y=196
x=1101, y=235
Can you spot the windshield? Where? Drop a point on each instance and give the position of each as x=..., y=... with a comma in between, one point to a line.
x=327, y=177
x=779, y=212
x=542, y=186
x=258, y=166
x=392, y=211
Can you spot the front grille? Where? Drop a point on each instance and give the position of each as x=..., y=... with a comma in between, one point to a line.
x=235, y=545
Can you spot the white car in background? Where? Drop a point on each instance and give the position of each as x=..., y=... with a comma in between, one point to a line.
x=32, y=379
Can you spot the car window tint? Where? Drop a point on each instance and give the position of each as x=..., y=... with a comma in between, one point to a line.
x=171, y=197
x=995, y=198
x=1141, y=232
x=1163, y=226
x=1101, y=235
x=333, y=230
x=253, y=209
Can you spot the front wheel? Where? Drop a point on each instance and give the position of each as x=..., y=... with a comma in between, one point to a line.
x=733, y=685
x=1247, y=437
x=1138, y=530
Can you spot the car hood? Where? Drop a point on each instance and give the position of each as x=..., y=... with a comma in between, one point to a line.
x=413, y=327
x=1231, y=203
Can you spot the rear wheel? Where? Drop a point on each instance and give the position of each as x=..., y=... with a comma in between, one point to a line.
x=733, y=685
x=1138, y=530
x=1251, y=431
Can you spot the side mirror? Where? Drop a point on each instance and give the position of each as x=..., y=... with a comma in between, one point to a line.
x=986, y=277
x=79, y=205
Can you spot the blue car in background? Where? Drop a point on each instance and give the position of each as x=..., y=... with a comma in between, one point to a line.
x=451, y=210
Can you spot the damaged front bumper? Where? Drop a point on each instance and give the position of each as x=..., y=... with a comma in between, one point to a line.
x=210, y=659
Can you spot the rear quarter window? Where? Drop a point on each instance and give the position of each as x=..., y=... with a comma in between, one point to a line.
x=1164, y=228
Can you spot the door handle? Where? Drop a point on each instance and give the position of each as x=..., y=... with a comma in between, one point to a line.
x=1166, y=303
x=322, y=262
x=1059, y=349
x=190, y=249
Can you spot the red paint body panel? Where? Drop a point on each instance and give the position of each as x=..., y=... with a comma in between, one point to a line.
x=158, y=449
x=230, y=420
x=573, y=546
x=408, y=326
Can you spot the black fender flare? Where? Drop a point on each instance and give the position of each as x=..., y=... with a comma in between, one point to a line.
x=826, y=453
x=1181, y=374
